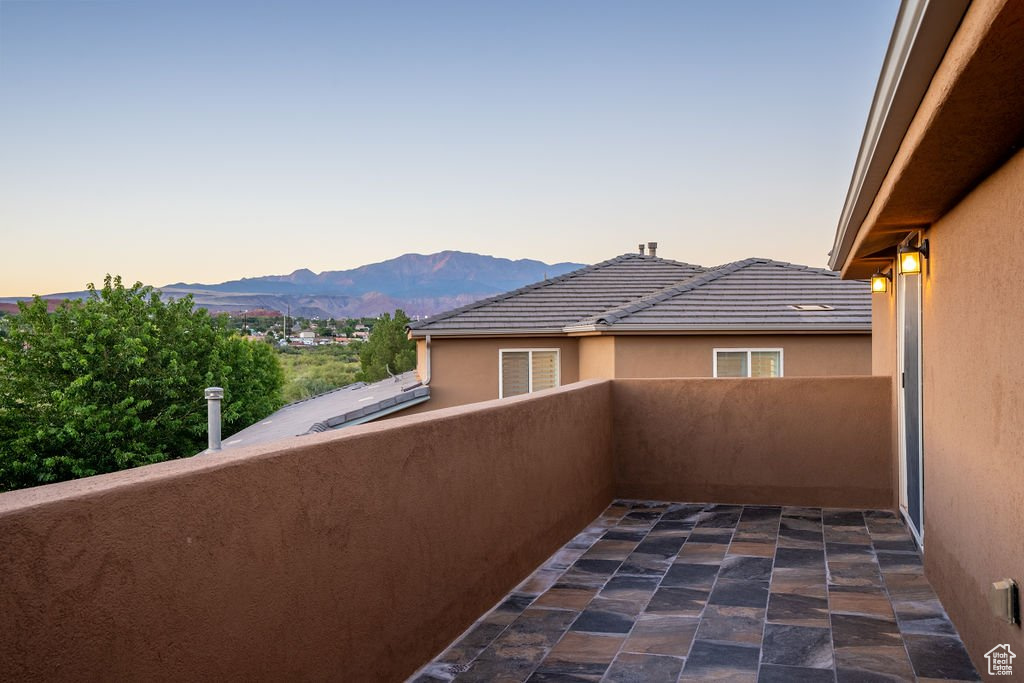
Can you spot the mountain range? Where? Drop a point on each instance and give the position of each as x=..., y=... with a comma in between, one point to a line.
x=420, y=284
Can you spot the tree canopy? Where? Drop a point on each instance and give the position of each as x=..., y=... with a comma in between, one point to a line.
x=388, y=350
x=116, y=380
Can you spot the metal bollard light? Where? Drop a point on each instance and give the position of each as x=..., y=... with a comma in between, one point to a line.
x=214, y=395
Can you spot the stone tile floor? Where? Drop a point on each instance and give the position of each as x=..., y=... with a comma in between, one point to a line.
x=657, y=591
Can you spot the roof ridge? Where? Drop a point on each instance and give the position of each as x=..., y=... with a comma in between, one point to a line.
x=610, y=316
x=668, y=260
x=505, y=295
x=796, y=266
x=542, y=283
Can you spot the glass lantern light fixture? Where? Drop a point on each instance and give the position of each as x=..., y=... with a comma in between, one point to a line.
x=880, y=282
x=911, y=258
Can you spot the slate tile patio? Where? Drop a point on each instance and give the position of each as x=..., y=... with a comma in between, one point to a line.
x=656, y=591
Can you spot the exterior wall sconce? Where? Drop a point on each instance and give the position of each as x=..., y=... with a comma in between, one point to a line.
x=911, y=258
x=880, y=282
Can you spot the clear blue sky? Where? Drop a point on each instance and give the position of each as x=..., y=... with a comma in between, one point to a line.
x=204, y=141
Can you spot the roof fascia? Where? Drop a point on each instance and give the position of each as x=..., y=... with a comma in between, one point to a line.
x=489, y=332
x=920, y=37
x=742, y=329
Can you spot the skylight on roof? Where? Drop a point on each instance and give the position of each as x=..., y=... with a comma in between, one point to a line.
x=811, y=307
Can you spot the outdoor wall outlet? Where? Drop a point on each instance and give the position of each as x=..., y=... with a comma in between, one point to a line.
x=1003, y=599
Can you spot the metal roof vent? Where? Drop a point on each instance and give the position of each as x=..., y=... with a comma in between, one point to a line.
x=811, y=307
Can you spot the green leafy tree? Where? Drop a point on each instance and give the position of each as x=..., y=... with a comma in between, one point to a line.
x=388, y=349
x=116, y=380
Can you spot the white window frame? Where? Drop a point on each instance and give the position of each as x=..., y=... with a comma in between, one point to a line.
x=714, y=359
x=558, y=368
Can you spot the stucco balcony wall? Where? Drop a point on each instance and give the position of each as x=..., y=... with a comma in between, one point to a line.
x=821, y=442
x=359, y=555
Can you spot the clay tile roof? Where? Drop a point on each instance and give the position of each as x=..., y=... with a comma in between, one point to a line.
x=552, y=304
x=639, y=293
x=753, y=294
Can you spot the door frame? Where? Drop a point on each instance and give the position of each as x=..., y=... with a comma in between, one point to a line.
x=901, y=313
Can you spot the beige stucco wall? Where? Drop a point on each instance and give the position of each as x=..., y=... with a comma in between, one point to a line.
x=348, y=556
x=885, y=363
x=421, y=359
x=884, y=359
x=788, y=441
x=973, y=392
x=597, y=357
x=466, y=370
x=692, y=356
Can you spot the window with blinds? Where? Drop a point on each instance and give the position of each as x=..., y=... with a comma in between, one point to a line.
x=748, y=363
x=766, y=363
x=731, y=364
x=527, y=370
x=515, y=373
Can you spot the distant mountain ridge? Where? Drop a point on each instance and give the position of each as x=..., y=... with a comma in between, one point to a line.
x=420, y=284
x=446, y=273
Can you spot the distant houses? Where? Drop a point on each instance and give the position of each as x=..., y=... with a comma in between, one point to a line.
x=307, y=338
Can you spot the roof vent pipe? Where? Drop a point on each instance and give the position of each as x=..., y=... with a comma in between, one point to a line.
x=213, y=399
x=653, y=248
x=641, y=248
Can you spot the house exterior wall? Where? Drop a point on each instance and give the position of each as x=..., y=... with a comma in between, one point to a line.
x=421, y=359
x=597, y=357
x=466, y=370
x=885, y=363
x=973, y=393
x=950, y=179
x=692, y=356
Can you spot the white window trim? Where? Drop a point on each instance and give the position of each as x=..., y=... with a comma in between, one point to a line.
x=714, y=359
x=558, y=368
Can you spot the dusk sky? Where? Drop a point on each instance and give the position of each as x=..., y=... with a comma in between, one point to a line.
x=206, y=141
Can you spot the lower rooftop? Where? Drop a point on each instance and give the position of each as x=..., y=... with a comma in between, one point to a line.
x=655, y=591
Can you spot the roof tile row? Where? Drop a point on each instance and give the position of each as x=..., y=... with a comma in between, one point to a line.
x=636, y=292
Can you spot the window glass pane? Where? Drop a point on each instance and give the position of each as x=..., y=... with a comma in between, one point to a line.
x=545, y=370
x=765, y=363
x=515, y=373
x=731, y=363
